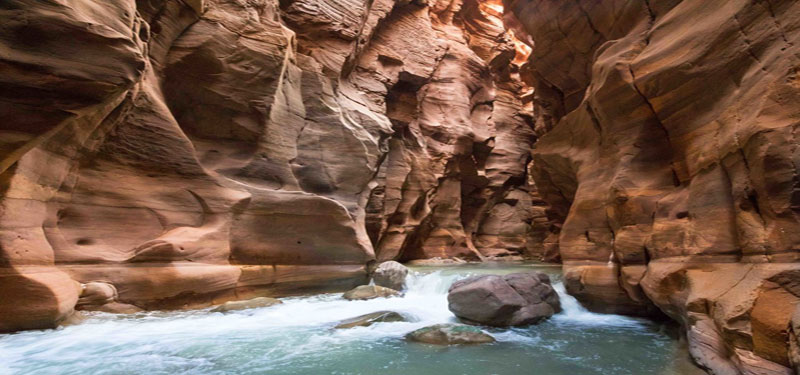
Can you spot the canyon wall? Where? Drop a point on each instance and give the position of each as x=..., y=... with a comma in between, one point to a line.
x=671, y=164
x=159, y=154
x=169, y=154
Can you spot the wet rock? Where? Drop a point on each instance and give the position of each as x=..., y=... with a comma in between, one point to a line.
x=116, y=308
x=450, y=334
x=365, y=292
x=75, y=318
x=511, y=300
x=371, y=318
x=247, y=304
x=391, y=275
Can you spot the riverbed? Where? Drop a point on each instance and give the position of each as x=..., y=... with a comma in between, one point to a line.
x=298, y=337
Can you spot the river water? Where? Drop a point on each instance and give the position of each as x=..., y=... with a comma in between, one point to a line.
x=298, y=337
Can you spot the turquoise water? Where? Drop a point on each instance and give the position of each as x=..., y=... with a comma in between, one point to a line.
x=297, y=338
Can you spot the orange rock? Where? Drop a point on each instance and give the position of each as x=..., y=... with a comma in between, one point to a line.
x=668, y=145
x=195, y=152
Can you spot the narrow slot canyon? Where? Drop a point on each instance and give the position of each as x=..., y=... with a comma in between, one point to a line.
x=169, y=165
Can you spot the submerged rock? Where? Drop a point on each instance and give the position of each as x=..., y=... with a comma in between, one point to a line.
x=511, y=300
x=75, y=318
x=367, y=320
x=391, y=275
x=115, y=308
x=247, y=304
x=365, y=292
x=450, y=334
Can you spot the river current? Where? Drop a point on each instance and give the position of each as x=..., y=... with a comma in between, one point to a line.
x=298, y=337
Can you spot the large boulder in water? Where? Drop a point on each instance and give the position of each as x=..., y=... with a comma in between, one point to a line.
x=247, y=304
x=365, y=292
x=450, y=334
x=511, y=300
x=391, y=275
x=367, y=320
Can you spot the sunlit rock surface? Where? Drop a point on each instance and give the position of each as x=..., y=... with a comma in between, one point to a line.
x=670, y=161
x=184, y=153
x=188, y=153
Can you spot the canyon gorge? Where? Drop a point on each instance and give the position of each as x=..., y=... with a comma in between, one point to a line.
x=180, y=154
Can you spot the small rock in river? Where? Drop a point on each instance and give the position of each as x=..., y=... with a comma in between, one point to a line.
x=368, y=319
x=450, y=334
x=365, y=292
x=390, y=274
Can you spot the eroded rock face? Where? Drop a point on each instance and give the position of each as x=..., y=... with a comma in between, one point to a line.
x=670, y=160
x=190, y=152
x=515, y=299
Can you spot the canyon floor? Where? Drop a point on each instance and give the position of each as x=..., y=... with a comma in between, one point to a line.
x=298, y=337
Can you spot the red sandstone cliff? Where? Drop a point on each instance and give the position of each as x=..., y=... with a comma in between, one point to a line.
x=185, y=153
x=671, y=160
x=188, y=152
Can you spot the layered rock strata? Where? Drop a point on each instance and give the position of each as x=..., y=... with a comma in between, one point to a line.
x=190, y=152
x=670, y=163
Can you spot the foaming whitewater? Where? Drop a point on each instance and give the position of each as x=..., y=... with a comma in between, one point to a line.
x=294, y=337
x=573, y=313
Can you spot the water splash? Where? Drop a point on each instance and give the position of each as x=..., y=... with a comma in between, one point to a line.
x=297, y=333
x=572, y=312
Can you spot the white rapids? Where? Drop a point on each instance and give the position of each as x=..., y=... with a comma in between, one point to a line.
x=295, y=337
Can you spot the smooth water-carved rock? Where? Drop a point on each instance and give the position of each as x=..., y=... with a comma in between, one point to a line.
x=367, y=320
x=97, y=293
x=102, y=296
x=247, y=304
x=667, y=154
x=390, y=274
x=75, y=318
x=365, y=292
x=510, y=300
x=450, y=334
x=195, y=151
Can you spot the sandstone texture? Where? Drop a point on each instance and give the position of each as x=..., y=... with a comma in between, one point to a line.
x=668, y=155
x=450, y=334
x=192, y=152
x=515, y=299
x=390, y=274
x=365, y=292
x=163, y=154
x=367, y=320
x=247, y=304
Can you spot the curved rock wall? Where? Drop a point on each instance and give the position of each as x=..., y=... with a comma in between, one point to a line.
x=671, y=162
x=189, y=152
